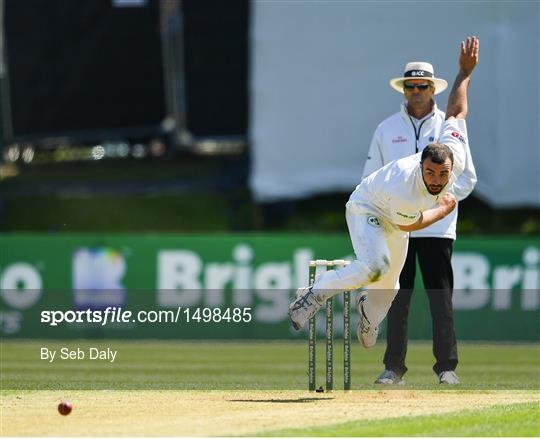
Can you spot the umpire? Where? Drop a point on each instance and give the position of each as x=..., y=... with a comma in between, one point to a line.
x=407, y=132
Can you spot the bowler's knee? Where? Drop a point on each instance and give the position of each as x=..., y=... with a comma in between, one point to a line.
x=367, y=272
x=378, y=267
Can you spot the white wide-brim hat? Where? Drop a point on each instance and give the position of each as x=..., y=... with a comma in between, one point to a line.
x=419, y=70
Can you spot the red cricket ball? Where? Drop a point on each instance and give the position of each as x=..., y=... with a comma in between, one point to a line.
x=64, y=408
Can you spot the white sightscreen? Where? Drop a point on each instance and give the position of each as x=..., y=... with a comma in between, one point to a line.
x=319, y=87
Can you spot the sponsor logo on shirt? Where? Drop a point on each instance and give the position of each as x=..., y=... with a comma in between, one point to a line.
x=399, y=139
x=431, y=139
x=458, y=136
x=374, y=221
x=404, y=215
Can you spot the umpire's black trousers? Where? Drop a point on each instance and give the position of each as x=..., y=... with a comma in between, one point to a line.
x=434, y=255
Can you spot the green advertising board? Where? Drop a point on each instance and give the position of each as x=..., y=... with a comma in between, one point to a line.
x=496, y=285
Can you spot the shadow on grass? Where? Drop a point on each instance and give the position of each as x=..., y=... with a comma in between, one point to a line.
x=283, y=401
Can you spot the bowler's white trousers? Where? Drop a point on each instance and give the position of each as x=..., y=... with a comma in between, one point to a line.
x=380, y=251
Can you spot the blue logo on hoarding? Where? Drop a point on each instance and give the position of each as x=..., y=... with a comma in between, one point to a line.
x=97, y=278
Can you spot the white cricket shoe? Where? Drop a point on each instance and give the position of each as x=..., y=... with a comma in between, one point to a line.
x=389, y=377
x=448, y=377
x=365, y=331
x=304, y=307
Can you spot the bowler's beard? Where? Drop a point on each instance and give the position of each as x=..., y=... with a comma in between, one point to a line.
x=433, y=189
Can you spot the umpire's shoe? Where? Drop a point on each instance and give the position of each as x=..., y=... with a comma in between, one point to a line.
x=448, y=377
x=304, y=307
x=389, y=377
x=365, y=331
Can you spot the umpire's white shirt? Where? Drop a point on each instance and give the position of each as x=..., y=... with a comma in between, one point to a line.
x=397, y=192
x=400, y=136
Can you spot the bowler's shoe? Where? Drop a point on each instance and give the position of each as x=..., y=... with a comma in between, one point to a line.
x=304, y=307
x=365, y=331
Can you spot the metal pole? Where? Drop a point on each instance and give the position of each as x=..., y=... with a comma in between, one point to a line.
x=330, y=339
x=347, y=340
x=312, y=336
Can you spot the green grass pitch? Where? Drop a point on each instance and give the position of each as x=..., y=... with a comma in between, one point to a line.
x=196, y=365
x=274, y=374
x=509, y=420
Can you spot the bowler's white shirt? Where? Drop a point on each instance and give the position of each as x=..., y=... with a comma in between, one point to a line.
x=394, y=139
x=397, y=192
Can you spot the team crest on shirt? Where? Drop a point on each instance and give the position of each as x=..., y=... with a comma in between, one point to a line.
x=458, y=136
x=374, y=221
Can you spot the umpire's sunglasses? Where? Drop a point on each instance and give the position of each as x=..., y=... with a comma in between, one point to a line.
x=421, y=87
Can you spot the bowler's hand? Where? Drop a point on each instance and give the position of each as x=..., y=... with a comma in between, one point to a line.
x=468, y=56
x=447, y=203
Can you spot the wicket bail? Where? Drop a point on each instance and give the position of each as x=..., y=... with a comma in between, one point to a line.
x=315, y=267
